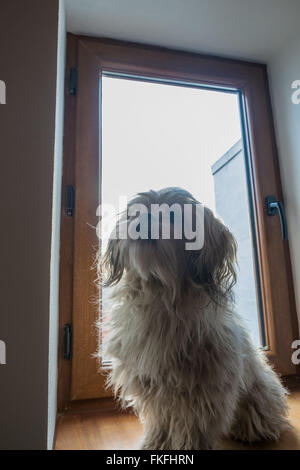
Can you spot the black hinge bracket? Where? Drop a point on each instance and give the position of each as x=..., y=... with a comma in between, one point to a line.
x=70, y=200
x=68, y=341
x=73, y=79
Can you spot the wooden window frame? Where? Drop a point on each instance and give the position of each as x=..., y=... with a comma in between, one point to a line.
x=82, y=158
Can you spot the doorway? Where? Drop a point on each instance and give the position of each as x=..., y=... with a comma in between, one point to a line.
x=143, y=118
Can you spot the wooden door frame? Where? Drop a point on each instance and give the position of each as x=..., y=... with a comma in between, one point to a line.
x=251, y=79
x=66, y=229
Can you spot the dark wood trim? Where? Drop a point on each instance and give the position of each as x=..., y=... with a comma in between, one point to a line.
x=157, y=62
x=66, y=230
x=295, y=327
x=86, y=380
x=105, y=41
x=277, y=288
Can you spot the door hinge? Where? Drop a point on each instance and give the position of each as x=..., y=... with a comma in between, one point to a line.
x=73, y=80
x=68, y=341
x=70, y=200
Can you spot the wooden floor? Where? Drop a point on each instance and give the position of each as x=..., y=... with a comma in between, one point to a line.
x=99, y=425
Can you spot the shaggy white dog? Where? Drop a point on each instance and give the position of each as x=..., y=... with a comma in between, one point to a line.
x=181, y=356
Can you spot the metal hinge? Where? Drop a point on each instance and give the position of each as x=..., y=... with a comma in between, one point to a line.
x=68, y=341
x=70, y=200
x=73, y=80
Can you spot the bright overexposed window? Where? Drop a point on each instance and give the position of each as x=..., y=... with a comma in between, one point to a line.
x=156, y=135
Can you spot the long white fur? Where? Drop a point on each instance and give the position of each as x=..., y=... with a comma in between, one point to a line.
x=181, y=356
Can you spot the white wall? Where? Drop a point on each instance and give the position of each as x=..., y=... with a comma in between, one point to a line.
x=284, y=68
x=55, y=240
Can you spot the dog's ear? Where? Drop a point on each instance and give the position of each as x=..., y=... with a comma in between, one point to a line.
x=214, y=265
x=112, y=263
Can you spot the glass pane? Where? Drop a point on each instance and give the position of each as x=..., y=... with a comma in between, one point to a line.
x=156, y=135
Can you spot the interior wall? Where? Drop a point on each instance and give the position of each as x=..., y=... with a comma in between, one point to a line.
x=284, y=69
x=28, y=65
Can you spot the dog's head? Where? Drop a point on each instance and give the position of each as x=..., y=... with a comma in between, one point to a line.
x=156, y=241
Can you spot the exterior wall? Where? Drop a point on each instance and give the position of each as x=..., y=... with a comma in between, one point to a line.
x=231, y=196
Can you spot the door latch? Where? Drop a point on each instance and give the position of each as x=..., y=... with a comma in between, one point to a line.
x=276, y=207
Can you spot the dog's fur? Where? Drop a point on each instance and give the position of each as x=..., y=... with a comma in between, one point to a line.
x=181, y=356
